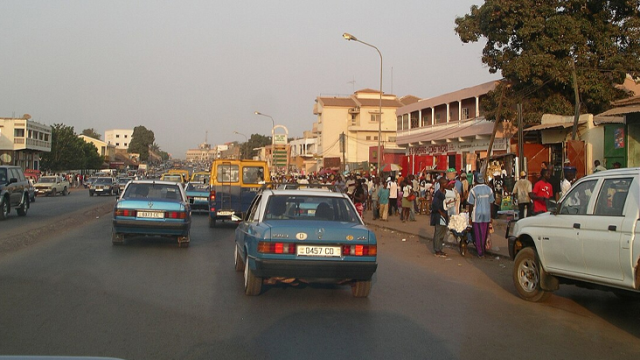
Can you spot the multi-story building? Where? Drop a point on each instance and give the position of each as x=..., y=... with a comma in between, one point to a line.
x=106, y=151
x=303, y=154
x=448, y=131
x=118, y=137
x=22, y=141
x=204, y=152
x=347, y=127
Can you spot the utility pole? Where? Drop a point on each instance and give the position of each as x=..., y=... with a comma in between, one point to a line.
x=343, y=148
x=520, y=139
x=576, y=115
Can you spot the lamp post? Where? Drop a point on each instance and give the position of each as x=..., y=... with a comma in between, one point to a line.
x=350, y=37
x=273, y=129
x=246, y=141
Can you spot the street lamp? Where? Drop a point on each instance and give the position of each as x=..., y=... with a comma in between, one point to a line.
x=273, y=130
x=350, y=37
x=246, y=141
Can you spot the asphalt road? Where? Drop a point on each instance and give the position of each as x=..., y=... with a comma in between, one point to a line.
x=76, y=294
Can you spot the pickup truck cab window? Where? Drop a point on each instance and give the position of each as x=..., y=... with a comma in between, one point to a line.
x=577, y=200
x=612, y=197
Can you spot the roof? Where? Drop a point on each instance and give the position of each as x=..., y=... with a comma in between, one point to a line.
x=622, y=110
x=634, y=100
x=465, y=129
x=409, y=99
x=337, y=101
x=367, y=90
x=305, y=192
x=376, y=102
x=159, y=182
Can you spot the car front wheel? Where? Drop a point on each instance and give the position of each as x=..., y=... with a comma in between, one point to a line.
x=22, y=210
x=252, y=283
x=4, y=208
x=526, y=276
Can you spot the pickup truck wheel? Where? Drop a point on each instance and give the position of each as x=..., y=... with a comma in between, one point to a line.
x=239, y=264
x=4, y=208
x=526, y=276
x=90, y=193
x=252, y=283
x=53, y=192
x=64, y=191
x=361, y=288
x=22, y=210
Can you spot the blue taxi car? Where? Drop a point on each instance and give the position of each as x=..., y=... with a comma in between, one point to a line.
x=198, y=195
x=308, y=235
x=152, y=208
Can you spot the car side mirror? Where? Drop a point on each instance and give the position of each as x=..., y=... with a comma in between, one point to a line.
x=553, y=207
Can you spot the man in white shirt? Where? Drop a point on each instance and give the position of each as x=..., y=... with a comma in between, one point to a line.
x=393, y=197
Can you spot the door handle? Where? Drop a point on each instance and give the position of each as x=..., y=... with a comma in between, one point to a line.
x=576, y=226
x=612, y=228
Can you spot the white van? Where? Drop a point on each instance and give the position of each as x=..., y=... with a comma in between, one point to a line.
x=588, y=240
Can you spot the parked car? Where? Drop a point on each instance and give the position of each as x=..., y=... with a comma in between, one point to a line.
x=52, y=185
x=103, y=185
x=152, y=208
x=306, y=235
x=14, y=191
x=588, y=240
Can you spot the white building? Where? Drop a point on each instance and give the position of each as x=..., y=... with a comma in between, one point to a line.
x=120, y=138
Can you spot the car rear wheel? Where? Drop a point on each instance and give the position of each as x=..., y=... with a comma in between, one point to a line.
x=239, y=264
x=252, y=283
x=183, y=241
x=117, y=239
x=526, y=276
x=361, y=288
x=22, y=210
x=4, y=208
x=212, y=222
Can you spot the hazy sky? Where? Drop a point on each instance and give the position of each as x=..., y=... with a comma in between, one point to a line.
x=181, y=68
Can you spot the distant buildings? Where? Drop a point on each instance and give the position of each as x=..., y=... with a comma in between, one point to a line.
x=106, y=151
x=118, y=137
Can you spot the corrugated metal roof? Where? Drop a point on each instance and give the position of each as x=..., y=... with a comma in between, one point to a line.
x=553, y=125
x=608, y=120
x=621, y=110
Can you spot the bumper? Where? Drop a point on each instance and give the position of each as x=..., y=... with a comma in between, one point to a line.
x=308, y=269
x=151, y=227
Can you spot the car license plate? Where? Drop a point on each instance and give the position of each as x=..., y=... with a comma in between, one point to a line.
x=329, y=251
x=151, y=214
x=199, y=198
x=225, y=213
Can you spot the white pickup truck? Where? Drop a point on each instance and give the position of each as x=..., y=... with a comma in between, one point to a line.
x=588, y=240
x=52, y=185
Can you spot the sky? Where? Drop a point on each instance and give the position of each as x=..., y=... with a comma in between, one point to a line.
x=190, y=70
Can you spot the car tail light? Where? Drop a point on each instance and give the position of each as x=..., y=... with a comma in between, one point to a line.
x=360, y=250
x=212, y=195
x=175, y=215
x=276, y=248
x=125, y=212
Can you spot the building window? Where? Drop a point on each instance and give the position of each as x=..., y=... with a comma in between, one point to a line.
x=438, y=117
x=399, y=122
x=125, y=136
x=405, y=121
x=117, y=136
x=375, y=117
x=18, y=132
x=46, y=137
x=465, y=113
x=353, y=116
x=375, y=138
x=30, y=134
x=117, y=144
x=368, y=138
x=392, y=139
x=125, y=144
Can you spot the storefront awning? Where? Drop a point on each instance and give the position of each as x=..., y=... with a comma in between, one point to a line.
x=608, y=120
x=467, y=129
x=553, y=125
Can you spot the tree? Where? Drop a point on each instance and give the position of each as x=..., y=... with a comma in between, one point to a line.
x=536, y=44
x=91, y=132
x=141, y=140
x=69, y=152
x=255, y=141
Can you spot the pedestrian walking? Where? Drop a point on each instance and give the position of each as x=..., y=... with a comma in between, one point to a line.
x=407, y=189
x=374, y=198
x=521, y=190
x=542, y=192
x=480, y=200
x=383, y=199
x=359, y=198
x=393, y=198
x=439, y=218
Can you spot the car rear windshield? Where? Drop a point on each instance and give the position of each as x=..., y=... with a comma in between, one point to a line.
x=47, y=179
x=228, y=173
x=152, y=191
x=292, y=207
x=197, y=187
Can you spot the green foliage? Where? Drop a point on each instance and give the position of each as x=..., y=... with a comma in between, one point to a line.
x=536, y=43
x=255, y=141
x=69, y=152
x=91, y=132
x=141, y=140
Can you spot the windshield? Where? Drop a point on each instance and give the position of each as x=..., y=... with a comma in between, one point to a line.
x=200, y=178
x=152, y=191
x=47, y=179
x=123, y=181
x=197, y=187
x=103, y=181
x=292, y=207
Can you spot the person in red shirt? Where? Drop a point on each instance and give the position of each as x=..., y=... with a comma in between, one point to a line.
x=542, y=192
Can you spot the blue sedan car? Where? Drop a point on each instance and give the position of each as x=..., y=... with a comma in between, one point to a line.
x=198, y=196
x=304, y=236
x=152, y=208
